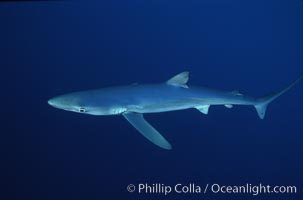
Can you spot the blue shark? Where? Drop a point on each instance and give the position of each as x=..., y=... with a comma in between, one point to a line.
x=133, y=101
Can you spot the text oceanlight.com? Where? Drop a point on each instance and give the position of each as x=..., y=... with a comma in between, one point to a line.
x=193, y=188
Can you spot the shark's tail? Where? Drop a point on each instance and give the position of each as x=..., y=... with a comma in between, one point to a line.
x=262, y=103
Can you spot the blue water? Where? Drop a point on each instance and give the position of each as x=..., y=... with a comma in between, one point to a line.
x=51, y=48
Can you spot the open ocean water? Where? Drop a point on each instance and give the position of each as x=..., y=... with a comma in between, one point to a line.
x=50, y=48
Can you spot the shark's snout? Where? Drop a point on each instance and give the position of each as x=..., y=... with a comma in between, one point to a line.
x=51, y=102
x=63, y=102
x=54, y=102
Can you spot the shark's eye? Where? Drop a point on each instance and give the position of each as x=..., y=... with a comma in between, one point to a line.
x=82, y=110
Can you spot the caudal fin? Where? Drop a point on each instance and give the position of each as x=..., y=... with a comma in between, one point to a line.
x=263, y=102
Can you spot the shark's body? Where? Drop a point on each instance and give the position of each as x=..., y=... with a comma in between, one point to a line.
x=135, y=100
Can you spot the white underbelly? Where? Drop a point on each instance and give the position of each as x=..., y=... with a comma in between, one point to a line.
x=154, y=108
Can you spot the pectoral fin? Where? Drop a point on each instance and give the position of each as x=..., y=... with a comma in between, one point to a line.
x=138, y=121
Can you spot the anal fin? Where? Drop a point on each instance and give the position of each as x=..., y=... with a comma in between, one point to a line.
x=228, y=106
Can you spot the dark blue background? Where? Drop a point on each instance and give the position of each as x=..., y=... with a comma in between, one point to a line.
x=50, y=48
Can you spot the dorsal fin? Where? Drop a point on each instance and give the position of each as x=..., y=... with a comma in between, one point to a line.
x=237, y=92
x=179, y=80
